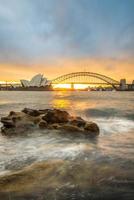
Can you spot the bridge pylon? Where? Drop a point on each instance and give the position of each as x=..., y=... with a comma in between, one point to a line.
x=72, y=86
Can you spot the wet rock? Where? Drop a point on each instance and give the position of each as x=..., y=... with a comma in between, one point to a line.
x=37, y=120
x=92, y=128
x=43, y=111
x=42, y=124
x=54, y=126
x=56, y=116
x=8, y=123
x=24, y=128
x=78, y=121
x=16, y=123
x=31, y=112
x=29, y=119
x=12, y=113
x=71, y=128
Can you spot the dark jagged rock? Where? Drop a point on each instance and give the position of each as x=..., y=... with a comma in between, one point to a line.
x=31, y=112
x=78, y=121
x=29, y=119
x=92, y=128
x=55, y=126
x=43, y=124
x=56, y=116
x=43, y=111
x=71, y=128
x=8, y=123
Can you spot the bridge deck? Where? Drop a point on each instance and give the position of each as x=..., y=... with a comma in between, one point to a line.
x=88, y=83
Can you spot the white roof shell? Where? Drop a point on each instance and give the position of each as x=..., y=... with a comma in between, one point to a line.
x=37, y=81
x=25, y=83
x=44, y=81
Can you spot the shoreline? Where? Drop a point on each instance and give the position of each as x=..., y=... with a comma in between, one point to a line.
x=62, y=90
x=66, y=178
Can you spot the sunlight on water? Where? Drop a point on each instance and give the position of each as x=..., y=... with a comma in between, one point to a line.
x=61, y=103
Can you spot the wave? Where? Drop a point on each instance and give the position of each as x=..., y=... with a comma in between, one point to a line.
x=109, y=112
x=114, y=125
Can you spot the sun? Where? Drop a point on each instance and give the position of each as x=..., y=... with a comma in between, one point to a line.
x=68, y=86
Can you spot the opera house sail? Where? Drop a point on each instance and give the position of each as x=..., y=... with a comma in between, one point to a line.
x=36, y=81
x=24, y=83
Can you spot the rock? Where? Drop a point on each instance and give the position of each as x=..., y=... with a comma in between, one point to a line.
x=36, y=120
x=78, y=121
x=12, y=113
x=54, y=126
x=29, y=119
x=56, y=116
x=71, y=128
x=42, y=124
x=17, y=122
x=43, y=111
x=24, y=128
x=8, y=123
x=31, y=112
x=92, y=128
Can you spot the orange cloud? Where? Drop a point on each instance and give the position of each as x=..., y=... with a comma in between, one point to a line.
x=114, y=68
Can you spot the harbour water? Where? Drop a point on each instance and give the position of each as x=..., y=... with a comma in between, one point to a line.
x=75, y=168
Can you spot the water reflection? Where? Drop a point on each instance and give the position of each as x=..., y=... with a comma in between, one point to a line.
x=71, y=102
x=61, y=103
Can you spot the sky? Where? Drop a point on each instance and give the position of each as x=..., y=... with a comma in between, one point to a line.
x=55, y=37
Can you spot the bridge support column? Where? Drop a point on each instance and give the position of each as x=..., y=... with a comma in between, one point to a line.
x=72, y=86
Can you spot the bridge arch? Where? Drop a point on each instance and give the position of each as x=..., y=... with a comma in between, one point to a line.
x=73, y=78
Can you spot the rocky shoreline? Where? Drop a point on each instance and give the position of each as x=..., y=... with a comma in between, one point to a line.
x=65, y=180
x=28, y=119
x=91, y=174
x=44, y=179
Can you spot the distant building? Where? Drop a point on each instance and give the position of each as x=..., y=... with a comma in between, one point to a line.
x=131, y=86
x=126, y=87
x=37, y=81
x=123, y=85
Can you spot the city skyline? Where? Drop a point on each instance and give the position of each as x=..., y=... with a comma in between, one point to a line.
x=59, y=37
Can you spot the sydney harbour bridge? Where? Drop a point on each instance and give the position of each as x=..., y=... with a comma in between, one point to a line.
x=88, y=78
x=85, y=78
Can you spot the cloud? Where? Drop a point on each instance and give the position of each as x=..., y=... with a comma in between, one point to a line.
x=32, y=31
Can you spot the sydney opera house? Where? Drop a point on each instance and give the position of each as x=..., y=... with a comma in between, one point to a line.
x=37, y=81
